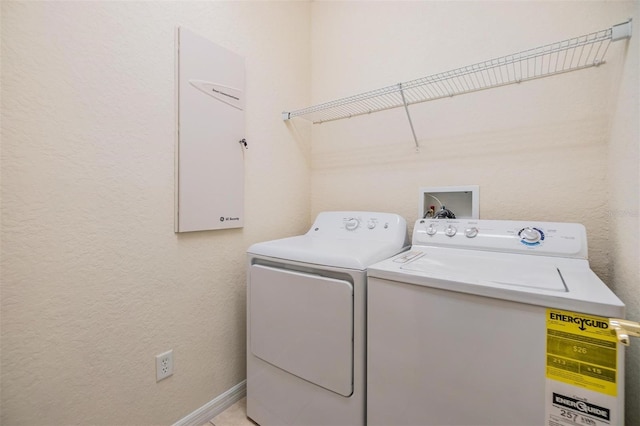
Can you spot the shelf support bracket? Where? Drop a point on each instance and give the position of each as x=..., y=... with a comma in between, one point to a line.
x=621, y=31
x=406, y=109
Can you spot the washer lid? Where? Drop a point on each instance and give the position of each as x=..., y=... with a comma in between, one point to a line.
x=525, y=271
x=547, y=281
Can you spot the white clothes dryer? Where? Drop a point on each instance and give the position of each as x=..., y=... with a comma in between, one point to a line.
x=489, y=322
x=306, y=319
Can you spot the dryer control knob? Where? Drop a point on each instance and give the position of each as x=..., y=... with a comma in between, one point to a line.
x=471, y=232
x=530, y=235
x=351, y=224
x=450, y=231
x=431, y=229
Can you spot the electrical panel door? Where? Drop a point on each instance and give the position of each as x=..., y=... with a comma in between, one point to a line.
x=210, y=85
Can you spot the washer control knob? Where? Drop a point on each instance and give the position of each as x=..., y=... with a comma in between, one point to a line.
x=450, y=231
x=351, y=224
x=471, y=232
x=530, y=235
x=431, y=229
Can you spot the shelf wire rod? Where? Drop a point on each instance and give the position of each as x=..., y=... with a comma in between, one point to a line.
x=455, y=82
x=488, y=78
x=484, y=82
x=433, y=94
x=450, y=86
x=580, y=55
x=472, y=83
x=548, y=57
x=531, y=66
x=512, y=71
x=391, y=101
x=589, y=53
x=501, y=73
x=385, y=103
x=410, y=95
x=573, y=55
x=495, y=75
x=422, y=92
x=596, y=57
x=500, y=65
x=367, y=106
x=555, y=66
x=591, y=58
x=406, y=108
x=564, y=61
x=477, y=83
x=458, y=84
x=445, y=87
x=430, y=91
x=606, y=48
x=464, y=82
x=465, y=78
x=515, y=71
x=436, y=88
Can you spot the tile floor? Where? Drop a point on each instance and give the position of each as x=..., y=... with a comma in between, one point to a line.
x=236, y=415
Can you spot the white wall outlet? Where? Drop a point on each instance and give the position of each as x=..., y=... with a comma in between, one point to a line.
x=164, y=365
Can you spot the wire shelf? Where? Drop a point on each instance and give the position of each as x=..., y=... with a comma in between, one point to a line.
x=569, y=55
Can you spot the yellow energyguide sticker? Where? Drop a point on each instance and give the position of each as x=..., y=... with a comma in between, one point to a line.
x=582, y=351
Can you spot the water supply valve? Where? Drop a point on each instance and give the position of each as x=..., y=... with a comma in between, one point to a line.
x=625, y=329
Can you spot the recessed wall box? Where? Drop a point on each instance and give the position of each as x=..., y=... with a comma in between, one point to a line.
x=464, y=201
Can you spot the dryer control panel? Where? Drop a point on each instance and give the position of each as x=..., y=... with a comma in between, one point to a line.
x=366, y=226
x=543, y=238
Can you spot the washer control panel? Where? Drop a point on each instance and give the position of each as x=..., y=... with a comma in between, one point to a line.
x=543, y=238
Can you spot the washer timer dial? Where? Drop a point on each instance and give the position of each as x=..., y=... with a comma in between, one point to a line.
x=531, y=236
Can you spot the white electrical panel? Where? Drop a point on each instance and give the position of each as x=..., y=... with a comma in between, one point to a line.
x=463, y=201
x=210, y=97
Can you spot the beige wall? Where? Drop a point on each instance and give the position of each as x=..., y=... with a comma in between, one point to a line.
x=624, y=204
x=94, y=281
x=542, y=150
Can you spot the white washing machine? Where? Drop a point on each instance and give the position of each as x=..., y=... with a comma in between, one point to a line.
x=306, y=318
x=492, y=323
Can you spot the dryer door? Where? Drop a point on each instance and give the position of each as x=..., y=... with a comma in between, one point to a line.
x=303, y=324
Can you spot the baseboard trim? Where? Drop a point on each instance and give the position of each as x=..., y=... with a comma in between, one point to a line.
x=214, y=407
